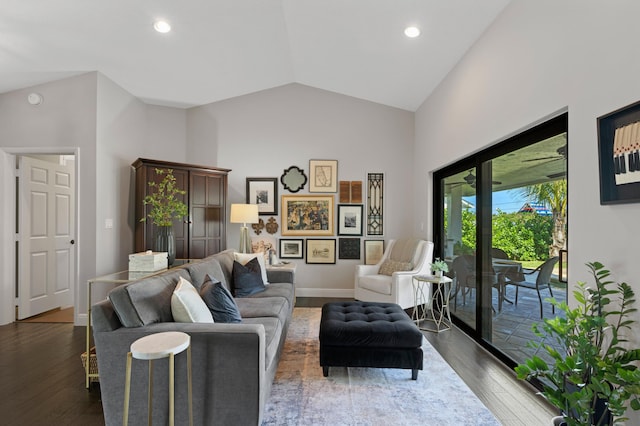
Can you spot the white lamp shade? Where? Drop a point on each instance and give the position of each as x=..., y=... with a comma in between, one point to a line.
x=244, y=213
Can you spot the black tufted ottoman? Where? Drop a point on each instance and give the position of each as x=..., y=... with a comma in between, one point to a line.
x=369, y=334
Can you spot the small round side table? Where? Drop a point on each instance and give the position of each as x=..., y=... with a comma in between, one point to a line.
x=438, y=305
x=156, y=346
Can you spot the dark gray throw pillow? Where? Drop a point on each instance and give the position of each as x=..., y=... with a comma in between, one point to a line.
x=247, y=278
x=219, y=301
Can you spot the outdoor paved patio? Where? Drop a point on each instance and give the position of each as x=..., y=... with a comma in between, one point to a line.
x=512, y=326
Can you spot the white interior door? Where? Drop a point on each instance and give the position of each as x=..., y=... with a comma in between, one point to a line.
x=46, y=228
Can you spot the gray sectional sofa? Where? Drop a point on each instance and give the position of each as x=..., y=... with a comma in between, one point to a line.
x=234, y=365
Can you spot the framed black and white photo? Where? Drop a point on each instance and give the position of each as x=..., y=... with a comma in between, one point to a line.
x=349, y=219
x=323, y=175
x=264, y=193
x=348, y=248
x=321, y=251
x=291, y=248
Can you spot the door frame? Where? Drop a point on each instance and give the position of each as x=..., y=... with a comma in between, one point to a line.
x=8, y=258
x=480, y=161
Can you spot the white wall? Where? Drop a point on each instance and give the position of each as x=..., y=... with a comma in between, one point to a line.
x=537, y=58
x=111, y=129
x=126, y=129
x=262, y=134
x=65, y=120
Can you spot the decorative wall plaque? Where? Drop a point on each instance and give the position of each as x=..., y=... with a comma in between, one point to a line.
x=272, y=225
x=258, y=227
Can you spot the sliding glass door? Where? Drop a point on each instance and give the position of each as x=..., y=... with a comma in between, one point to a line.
x=498, y=215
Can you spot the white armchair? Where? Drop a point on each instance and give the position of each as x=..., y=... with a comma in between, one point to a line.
x=414, y=255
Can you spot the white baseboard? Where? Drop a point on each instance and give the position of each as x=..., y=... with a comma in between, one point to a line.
x=324, y=292
x=81, y=320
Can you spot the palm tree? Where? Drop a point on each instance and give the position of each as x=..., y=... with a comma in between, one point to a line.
x=553, y=195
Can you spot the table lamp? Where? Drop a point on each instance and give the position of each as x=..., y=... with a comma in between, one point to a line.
x=244, y=213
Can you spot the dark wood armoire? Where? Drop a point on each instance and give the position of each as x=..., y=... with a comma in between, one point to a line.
x=203, y=232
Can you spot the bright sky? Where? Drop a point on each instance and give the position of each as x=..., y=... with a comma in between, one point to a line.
x=507, y=201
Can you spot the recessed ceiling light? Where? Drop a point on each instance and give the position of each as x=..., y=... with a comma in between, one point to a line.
x=162, y=26
x=412, y=32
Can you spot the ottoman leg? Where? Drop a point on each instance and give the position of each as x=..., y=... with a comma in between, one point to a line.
x=325, y=371
x=414, y=374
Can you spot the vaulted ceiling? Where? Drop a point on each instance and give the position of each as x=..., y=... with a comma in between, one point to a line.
x=220, y=49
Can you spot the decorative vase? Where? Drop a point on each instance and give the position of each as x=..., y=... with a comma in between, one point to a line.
x=438, y=274
x=558, y=421
x=165, y=241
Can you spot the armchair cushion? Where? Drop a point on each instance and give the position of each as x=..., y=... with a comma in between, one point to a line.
x=389, y=266
x=405, y=251
x=378, y=283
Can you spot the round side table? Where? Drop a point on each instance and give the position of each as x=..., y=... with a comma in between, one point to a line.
x=156, y=346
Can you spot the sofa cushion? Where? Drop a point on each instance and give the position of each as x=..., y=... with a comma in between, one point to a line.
x=376, y=283
x=389, y=266
x=244, y=258
x=200, y=269
x=247, y=279
x=284, y=290
x=219, y=301
x=147, y=300
x=253, y=307
x=187, y=305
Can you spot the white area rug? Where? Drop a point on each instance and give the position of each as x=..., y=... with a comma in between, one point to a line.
x=365, y=396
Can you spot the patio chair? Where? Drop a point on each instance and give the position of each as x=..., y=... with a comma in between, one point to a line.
x=514, y=275
x=464, y=268
x=543, y=279
x=497, y=253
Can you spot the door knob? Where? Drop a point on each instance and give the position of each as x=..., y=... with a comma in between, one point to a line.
x=72, y=241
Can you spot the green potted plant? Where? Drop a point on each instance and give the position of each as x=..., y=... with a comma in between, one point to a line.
x=439, y=267
x=594, y=376
x=165, y=207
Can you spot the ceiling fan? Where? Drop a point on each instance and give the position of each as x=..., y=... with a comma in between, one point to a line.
x=562, y=155
x=470, y=180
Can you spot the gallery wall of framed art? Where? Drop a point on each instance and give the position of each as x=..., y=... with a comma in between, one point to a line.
x=308, y=220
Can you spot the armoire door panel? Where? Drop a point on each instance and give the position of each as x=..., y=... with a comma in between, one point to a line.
x=198, y=227
x=215, y=191
x=214, y=224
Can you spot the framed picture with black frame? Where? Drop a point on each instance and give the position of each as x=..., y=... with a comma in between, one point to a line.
x=321, y=251
x=349, y=219
x=264, y=193
x=291, y=248
x=348, y=248
x=619, y=155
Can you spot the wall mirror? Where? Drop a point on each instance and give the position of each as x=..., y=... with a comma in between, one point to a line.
x=293, y=179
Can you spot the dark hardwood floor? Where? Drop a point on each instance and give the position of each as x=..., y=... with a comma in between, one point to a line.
x=42, y=379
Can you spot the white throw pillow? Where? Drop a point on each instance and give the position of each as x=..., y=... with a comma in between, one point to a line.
x=243, y=258
x=187, y=305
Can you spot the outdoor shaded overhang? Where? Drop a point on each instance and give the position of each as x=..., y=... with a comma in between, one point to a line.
x=537, y=163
